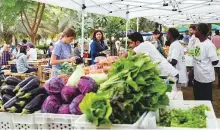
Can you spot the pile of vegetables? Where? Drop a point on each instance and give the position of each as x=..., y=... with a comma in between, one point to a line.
x=191, y=118
x=67, y=68
x=22, y=96
x=66, y=99
x=133, y=87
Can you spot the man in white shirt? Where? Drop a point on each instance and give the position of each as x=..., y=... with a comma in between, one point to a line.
x=139, y=46
x=176, y=55
x=31, y=52
x=193, y=40
x=204, y=62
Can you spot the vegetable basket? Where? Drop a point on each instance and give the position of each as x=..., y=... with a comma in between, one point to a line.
x=82, y=124
x=6, y=121
x=23, y=121
x=54, y=121
x=211, y=120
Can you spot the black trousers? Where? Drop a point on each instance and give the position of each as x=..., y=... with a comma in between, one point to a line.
x=202, y=91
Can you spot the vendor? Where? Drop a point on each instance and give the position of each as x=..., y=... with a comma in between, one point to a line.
x=62, y=51
x=21, y=62
x=204, y=73
x=139, y=46
x=176, y=55
x=97, y=45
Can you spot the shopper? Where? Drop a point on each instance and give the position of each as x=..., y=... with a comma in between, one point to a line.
x=97, y=46
x=6, y=55
x=216, y=39
x=62, y=51
x=204, y=62
x=21, y=62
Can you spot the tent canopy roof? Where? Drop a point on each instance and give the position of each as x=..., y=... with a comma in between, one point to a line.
x=163, y=11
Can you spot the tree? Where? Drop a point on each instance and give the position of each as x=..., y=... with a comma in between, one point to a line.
x=11, y=9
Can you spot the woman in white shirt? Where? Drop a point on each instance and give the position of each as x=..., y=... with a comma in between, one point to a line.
x=204, y=60
x=32, y=52
x=176, y=55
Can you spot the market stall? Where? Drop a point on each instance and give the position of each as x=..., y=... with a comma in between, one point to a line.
x=116, y=93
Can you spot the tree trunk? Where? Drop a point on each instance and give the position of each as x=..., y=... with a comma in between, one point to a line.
x=33, y=38
x=16, y=41
x=33, y=29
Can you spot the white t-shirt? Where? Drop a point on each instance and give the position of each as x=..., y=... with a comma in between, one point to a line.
x=193, y=41
x=32, y=54
x=203, y=69
x=165, y=67
x=176, y=51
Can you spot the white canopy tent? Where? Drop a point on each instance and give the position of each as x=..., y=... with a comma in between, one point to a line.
x=167, y=12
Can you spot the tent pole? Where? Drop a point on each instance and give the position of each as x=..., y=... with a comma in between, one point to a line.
x=127, y=20
x=137, y=24
x=82, y=29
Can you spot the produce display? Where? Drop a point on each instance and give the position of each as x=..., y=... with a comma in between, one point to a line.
x=114, y=91
x=22, y=96
x=191, y=118
x=64, y=99
x=66, y=68
x=133, y=87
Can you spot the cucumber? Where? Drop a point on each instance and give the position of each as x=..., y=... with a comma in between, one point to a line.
x=34, y=104
x=34, y=83
x=12, y=81
x=23, y=83
x=33, y=93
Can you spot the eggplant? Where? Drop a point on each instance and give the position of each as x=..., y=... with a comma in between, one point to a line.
x=10, y=103
x=23, y=83
x=12, y=81
x=8, y=89
x=33, y=93
x=6, y=98
x=15, y=109
x=34, y=104
x=34, y=83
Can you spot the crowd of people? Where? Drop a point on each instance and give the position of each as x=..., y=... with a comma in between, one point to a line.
x=23, y=52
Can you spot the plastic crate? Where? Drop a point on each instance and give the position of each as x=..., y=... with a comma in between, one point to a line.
x=82, y=124
x=24, y=122
x=54, y=121
x=6, y=121
x=184, y=105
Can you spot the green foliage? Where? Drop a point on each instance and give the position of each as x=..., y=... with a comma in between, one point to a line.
x=134, y=87
x=97, y=108
x=191, y=118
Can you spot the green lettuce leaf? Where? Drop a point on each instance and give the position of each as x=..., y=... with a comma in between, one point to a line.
x=97, y=108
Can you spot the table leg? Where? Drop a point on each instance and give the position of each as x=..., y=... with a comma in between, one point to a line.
x=39, y=72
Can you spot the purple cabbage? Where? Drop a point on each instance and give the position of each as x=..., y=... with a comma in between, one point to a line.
x=54, y=85
x=51, y=104
x=68, y=93
x=87, y=85
x=74, y=106
x=64, y=109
